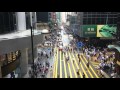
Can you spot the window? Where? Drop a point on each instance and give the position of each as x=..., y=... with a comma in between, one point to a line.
x=7, y=22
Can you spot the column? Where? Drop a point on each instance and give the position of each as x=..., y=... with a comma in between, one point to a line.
x=35, y=21
x=21, y=21
x=24, y=62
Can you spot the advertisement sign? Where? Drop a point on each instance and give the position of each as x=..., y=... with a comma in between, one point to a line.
x=106, y=31
x=89, y=30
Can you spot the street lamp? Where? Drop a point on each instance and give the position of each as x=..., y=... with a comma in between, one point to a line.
x=32, y=40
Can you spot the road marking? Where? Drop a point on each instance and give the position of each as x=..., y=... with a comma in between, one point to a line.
x=69, y=67
x=60, y=66
x=86, y=67
x=64, y=66
x=77, y=65
x=70, y=70
x=91, y=67
x=73, y=65
x=56, y=64
x=83, y=69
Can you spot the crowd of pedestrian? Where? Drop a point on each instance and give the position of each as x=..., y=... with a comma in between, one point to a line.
x=42, y=65
x=102, y=56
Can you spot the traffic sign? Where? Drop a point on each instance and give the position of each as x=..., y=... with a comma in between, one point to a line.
x=79, y=44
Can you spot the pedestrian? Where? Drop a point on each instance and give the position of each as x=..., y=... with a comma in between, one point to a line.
x=41, y=53
x=78, y=73
x=83, y=75
x=88, y=64
x=52, y=50
x=71, y=49
x=79, y=60
x=73, y=61
x=47, y=56
x=50, y=53
x=78, y=55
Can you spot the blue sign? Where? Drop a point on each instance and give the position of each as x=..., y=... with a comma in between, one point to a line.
x=79, y=44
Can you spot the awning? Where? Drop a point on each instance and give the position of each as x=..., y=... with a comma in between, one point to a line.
x=114, y=47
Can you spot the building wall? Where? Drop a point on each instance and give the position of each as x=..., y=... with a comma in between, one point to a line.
x=7, y=22
x=10, y=45
x=118, y=26
x=42, y=17
x=63, y=18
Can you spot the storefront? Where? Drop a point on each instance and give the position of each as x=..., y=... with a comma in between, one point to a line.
x=10, y=64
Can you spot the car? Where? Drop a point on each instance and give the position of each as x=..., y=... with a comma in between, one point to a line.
x=48, y=43
x=60, y=44
x=60, y=47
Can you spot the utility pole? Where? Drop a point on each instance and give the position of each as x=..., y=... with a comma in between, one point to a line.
x=32, y=47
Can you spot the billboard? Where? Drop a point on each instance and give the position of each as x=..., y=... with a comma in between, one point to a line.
x=106, y=31
x=89, y=30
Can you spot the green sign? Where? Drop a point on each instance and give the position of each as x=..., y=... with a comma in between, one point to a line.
x=106, y=30
x=89, y=30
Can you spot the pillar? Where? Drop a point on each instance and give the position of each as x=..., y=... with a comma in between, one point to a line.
x=24, y=62
x=21, y=21
x=35, y=19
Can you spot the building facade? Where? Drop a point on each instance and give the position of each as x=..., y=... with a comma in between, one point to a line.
x=15, y=42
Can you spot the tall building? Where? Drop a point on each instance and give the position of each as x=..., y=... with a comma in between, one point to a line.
x=63, y=17
x=15, y=42
x=42, y=17
x=58, y=17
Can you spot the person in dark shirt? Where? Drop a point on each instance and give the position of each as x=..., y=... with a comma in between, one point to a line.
x=83, y=75
x=88, y=64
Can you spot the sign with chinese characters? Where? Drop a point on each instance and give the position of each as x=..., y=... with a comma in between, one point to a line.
x=89, y=30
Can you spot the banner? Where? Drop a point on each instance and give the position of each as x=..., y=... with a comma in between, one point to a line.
x=106, y=31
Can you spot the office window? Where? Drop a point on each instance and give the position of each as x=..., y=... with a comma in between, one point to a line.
x=7, y=22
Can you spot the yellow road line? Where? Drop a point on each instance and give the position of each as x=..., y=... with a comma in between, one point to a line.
x=77, y=65
x=56, y=64
x=73, y=65
x=75, y=61
x=69, y=67
x=83, y=69
x=91, y=67
x=95, y=62
x=60, y=66
x=70, y=70
x=80, y=74
x=64, y=66
x=86, y=67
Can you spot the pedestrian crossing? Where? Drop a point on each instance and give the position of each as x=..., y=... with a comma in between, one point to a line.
x=70, y=69
x=95, y=64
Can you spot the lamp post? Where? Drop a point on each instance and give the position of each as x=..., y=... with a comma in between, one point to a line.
x=32, y=41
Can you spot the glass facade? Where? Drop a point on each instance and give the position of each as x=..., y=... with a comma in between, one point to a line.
x=99, y=18
x=42, y=17
x=7, y=22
